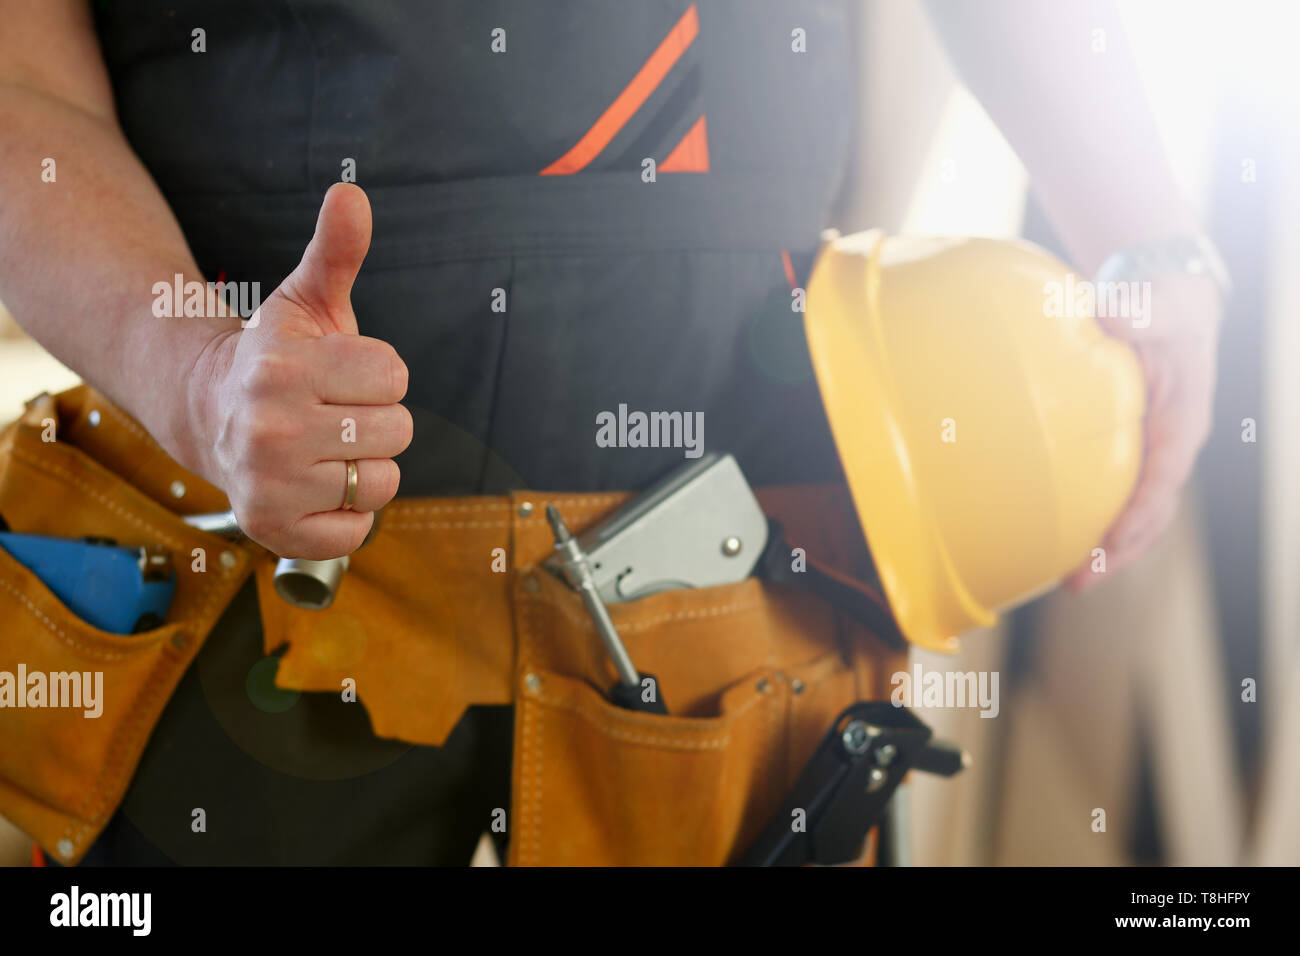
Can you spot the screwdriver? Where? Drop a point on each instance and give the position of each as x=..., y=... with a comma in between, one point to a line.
x=577, y=572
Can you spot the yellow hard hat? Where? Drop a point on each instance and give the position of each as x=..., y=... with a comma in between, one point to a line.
x=990, y=433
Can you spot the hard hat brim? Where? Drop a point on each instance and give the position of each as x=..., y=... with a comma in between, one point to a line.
x=847, y=347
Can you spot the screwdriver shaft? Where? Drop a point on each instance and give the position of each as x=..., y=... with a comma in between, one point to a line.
x=578, y=573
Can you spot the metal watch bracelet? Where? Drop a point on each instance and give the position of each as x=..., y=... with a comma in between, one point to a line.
x=1188, y=254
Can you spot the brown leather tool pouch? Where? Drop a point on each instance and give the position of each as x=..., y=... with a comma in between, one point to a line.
x=420, y=627
x=74, y=465
x=752, y=674
x=448, y=606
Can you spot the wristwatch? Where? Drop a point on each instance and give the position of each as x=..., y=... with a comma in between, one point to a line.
x=1188, y=254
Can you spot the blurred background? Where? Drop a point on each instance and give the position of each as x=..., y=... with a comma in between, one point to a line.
x=1129, y=698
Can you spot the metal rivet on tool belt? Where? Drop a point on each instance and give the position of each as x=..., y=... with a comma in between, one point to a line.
x=856, y=737
x=876, y=779
x=94, y=418
x=763, y=685
x=525, y=509
x=65, y=848
x=180, y=639
x=178, y=489
x=731, y=546
x=886, y=754
x=533, y=682
x=228, y=559
x=531, y=584
x=796, y=685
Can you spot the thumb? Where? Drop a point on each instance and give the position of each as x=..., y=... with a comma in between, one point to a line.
x=322, y=282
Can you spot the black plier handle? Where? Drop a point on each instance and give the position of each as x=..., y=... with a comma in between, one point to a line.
x=843, y=789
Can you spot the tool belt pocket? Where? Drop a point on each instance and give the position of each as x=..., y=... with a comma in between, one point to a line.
x=78, y=703
x=752, y=675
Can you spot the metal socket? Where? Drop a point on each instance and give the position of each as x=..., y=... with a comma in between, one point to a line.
x=310, y=585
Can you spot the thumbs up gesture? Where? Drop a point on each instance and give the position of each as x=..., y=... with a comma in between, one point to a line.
x=287, y=402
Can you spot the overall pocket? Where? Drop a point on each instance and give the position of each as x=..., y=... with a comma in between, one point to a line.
x=72, y=730
x=752, y=675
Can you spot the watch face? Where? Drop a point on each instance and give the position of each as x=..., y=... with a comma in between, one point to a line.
x=1192, y=255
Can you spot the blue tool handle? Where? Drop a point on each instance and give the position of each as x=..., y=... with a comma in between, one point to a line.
x=104, y=585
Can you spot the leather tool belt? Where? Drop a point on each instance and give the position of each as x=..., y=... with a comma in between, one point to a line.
x=446, y=607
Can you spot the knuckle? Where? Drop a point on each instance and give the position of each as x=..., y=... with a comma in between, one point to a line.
x=356, y=537
x=267, y=374
x=263, y=437
x=325, y=544
x=317, y=547
x=294, y=296
x=397, y=376
x=405, y=429
x=257, y=524
x=387, y=482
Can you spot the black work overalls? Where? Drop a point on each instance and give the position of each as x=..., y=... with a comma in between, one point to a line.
x=506, y=148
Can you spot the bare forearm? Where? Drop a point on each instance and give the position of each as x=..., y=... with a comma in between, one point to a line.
x=79, y=257
x=1071, y=103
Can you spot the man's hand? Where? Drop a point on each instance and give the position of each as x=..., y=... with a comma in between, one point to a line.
x=280, y=406
x=1050, y=92
x=1177, y=351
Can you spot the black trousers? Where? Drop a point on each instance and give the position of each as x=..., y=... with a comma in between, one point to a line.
x=277, y=777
